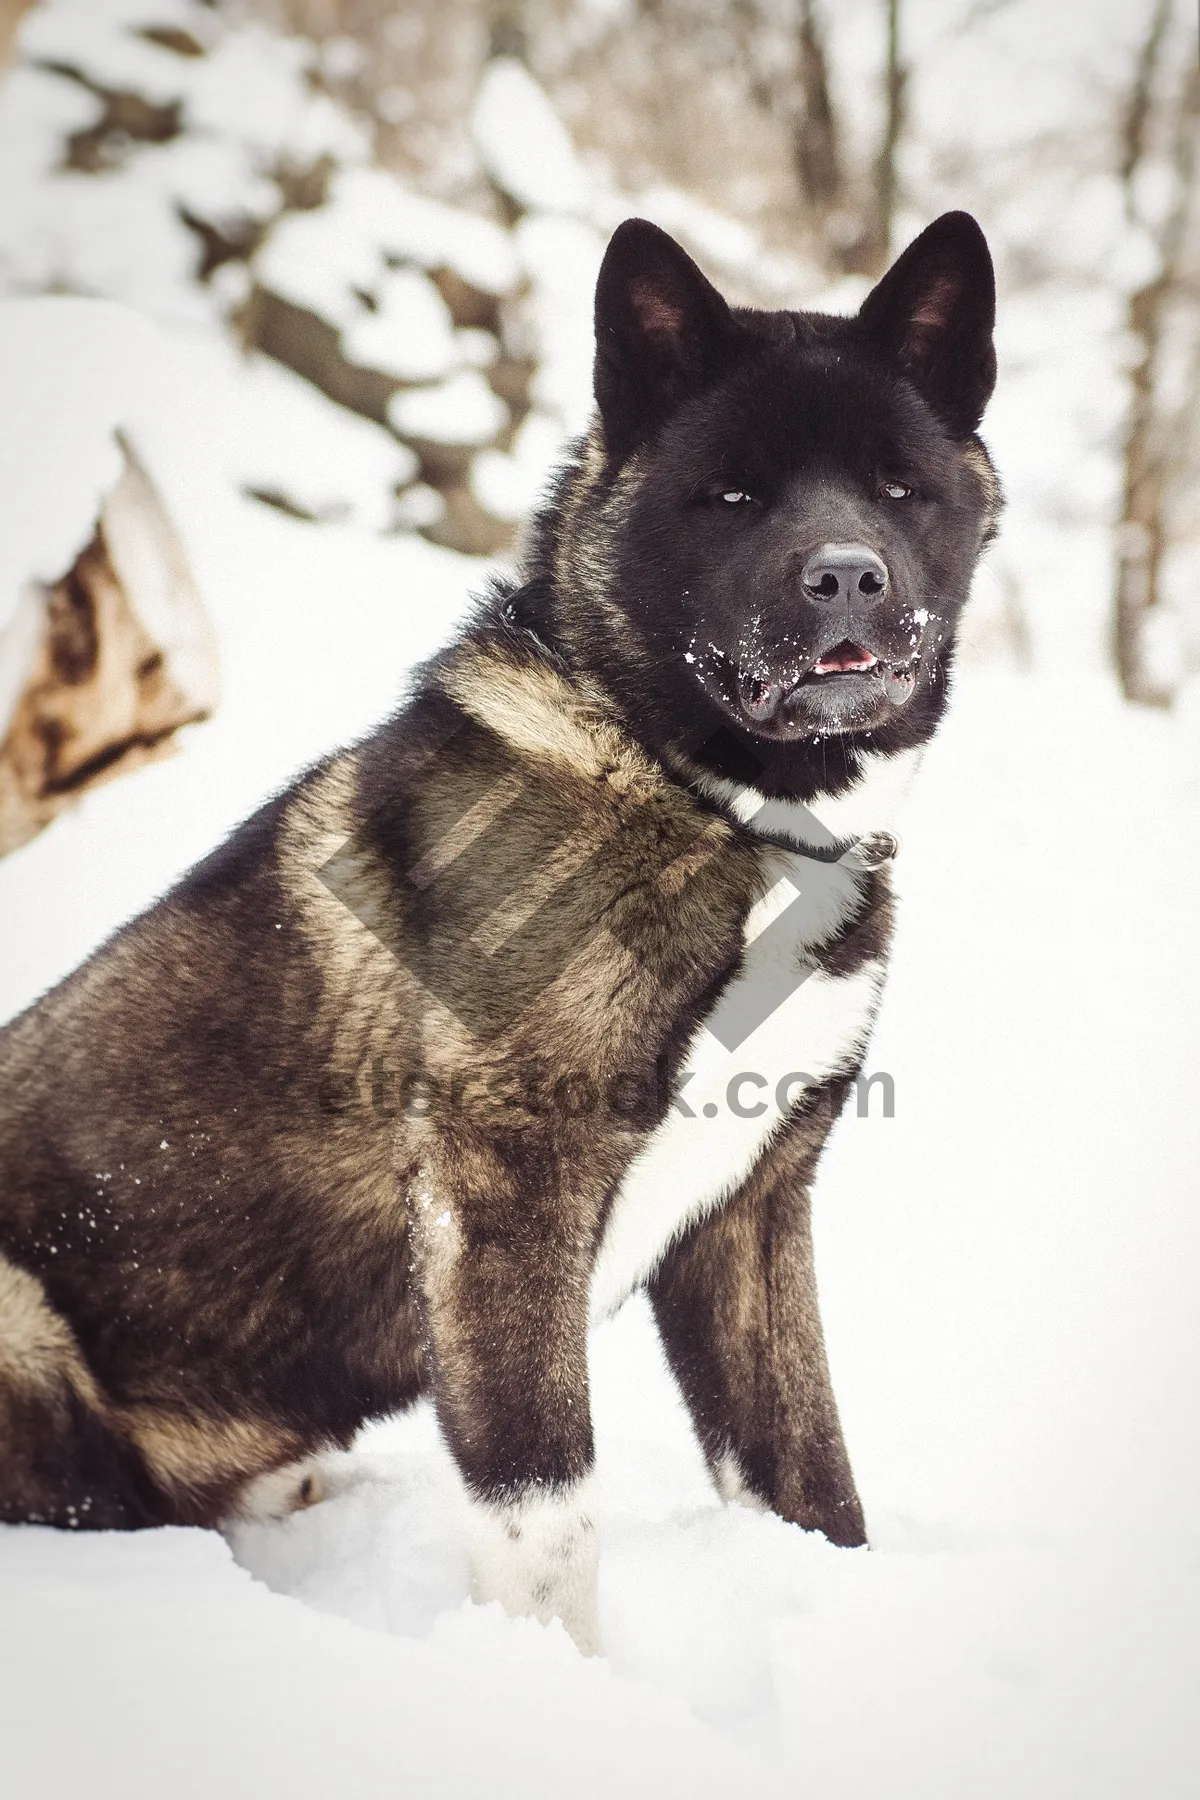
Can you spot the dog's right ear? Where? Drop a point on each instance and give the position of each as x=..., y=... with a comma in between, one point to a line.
x=662, y=331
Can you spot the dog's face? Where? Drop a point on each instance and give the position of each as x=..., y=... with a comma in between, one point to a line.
x=796, y=501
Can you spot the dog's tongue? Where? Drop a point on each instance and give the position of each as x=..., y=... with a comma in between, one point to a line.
x=844, y=657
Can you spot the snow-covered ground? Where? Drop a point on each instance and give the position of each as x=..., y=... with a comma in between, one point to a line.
x=1008, y=1265
x=1008, y=1277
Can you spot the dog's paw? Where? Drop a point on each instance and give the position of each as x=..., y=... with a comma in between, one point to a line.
x=536, y=1555
x=278, y=1493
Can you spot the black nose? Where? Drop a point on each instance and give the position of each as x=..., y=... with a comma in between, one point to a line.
x=844, y=572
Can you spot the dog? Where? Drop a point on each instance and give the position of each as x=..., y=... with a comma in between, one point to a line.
x=548, y=990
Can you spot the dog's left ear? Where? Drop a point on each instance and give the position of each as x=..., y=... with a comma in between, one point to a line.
x=662, y=330
x=934, y=313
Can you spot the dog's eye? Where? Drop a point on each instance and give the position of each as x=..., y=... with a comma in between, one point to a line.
x=894, y=490
x=737, y=497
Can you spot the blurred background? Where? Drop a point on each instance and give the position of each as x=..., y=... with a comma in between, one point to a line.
x=372, y=231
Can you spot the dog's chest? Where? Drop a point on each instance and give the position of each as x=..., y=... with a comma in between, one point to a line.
x=778, y=1027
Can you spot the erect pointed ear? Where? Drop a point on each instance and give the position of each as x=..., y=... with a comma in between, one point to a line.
x=662, y=331
x=933, y=313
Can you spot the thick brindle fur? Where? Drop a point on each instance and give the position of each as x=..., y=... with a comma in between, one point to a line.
x=341, y=1120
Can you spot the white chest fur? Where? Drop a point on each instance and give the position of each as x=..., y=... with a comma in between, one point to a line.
x=779, y=1027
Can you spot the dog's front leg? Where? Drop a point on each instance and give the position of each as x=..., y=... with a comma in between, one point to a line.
x=736, y=1304
x=504, y=1284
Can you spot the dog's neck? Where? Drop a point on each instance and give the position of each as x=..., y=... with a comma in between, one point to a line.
x=828, y=825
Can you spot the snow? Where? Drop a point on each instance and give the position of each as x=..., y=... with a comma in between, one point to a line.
x=561, y=258
x=509, y=484
x=1007, y=1265
x=302, y=262
x=369, y=210
x=1005, y=1277
x=222, y=1687
x=714, y=237
x=75, y=371
x=525, y=146
x=70, y=384
x=409, y=333
x=252, y=90
x=462, y=410
x=20, y=639
x=39, y=110
x=316, y=626
x=278, y=435
x=245, y=109
x=339, y=261
x=82, y=34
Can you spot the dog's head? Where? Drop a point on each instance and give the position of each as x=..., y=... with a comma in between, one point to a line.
x=773, y=530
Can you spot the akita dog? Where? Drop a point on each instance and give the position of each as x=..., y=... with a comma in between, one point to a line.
x=548, y=990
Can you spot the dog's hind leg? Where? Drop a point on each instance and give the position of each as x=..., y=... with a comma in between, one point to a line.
x=61, y=1462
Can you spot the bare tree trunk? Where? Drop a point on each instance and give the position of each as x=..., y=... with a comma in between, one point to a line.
x=817, y=151
x=1137, y=116
x=866, y=252
x=1155, y=416
x=1140, y=534
x=795, y=92
x=895, y=83
x=11, y=12
x=507, y=35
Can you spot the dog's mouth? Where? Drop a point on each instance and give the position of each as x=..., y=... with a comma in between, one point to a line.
x=837, y=689
x=845, y=658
